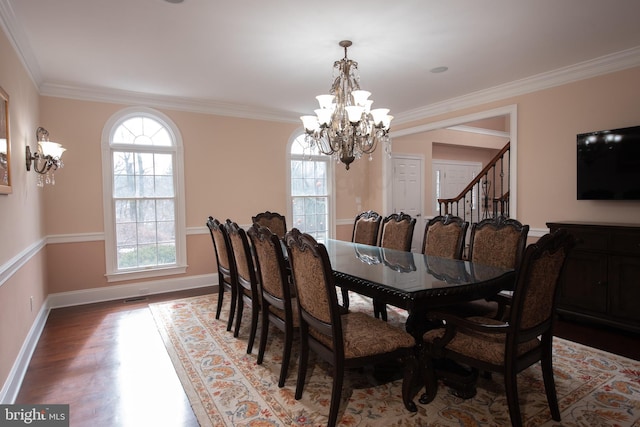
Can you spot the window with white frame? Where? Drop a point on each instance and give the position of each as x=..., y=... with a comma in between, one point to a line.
x=143, y=204
x=311, y=190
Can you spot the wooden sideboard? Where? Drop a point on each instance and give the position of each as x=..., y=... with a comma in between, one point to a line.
x=601, y=280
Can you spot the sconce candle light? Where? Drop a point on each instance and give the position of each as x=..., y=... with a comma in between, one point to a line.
x=47, y=159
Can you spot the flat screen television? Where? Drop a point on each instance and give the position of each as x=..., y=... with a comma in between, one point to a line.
x=609, y=164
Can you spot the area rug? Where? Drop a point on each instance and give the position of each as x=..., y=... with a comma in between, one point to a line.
x=227, y=388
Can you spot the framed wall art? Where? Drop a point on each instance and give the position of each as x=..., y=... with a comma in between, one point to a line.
x=5, y=144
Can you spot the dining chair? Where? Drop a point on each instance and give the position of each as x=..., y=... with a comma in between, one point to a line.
x=509, y=346
x=499, y=242
x=397, y=233
x=247, y=280
x=225, y=266
x=365, y=231
x=349, y=340
x=366, y=227
x=278, y=306
x=276, y=222
x=444, y=236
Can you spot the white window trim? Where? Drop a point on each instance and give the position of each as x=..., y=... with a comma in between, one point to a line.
x=112, y=273
x=331, y=184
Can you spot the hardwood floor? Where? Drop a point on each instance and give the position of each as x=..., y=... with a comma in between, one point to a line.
x=109, y=363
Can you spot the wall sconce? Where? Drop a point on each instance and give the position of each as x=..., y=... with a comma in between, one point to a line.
x=47, y=159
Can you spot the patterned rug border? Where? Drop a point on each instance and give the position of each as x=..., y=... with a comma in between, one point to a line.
x=192, y=381
x=194, y=399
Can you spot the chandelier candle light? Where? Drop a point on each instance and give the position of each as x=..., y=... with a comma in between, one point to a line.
x=345, y=126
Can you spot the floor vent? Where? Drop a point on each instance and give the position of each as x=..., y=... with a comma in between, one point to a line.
x=135, y=299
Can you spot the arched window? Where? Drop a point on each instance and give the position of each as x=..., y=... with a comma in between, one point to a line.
x=311, y=190
x=142, y=169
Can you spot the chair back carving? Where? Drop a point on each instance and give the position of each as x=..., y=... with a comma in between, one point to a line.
x=499, y=242
x=366, y=227
x=276, y=222
x=397, y=231
x=444, y=236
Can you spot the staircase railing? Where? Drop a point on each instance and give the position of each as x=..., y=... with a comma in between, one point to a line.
x=487, y=195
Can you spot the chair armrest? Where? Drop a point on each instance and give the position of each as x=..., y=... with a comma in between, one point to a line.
x=501, y=298
x=504, y=300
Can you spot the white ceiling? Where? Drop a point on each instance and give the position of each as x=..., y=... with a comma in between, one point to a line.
x=270, y=58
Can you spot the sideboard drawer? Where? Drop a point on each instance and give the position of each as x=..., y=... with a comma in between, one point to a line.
x=593, y=240
x=627, y=243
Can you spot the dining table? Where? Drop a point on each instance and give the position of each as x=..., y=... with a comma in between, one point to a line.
x=413, y=281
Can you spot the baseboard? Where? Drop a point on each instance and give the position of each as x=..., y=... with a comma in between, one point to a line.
x=110, y=293
x=12, y=385
x=14, y=380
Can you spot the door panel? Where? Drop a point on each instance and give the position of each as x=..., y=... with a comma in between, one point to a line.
x=407, y=192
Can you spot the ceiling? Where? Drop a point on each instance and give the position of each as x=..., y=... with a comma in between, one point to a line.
x=269, y=59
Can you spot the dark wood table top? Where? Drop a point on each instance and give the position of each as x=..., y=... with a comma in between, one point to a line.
x=412, y=280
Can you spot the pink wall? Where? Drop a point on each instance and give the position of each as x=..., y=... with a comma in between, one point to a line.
x=21, y=227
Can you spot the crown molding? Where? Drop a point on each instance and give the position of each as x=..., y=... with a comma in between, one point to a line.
x=606, y=64
x=193, y=105
x=603, y=65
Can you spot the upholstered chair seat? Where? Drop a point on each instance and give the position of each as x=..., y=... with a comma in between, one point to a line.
x=357, y=339
x=489, y=348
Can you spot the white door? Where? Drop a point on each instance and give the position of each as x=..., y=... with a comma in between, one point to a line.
x=449, y=179
x=407, y=191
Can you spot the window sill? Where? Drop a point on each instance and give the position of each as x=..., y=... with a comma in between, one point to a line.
x=145, y=274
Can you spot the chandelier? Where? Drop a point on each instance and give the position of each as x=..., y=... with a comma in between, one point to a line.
x=345, y=126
